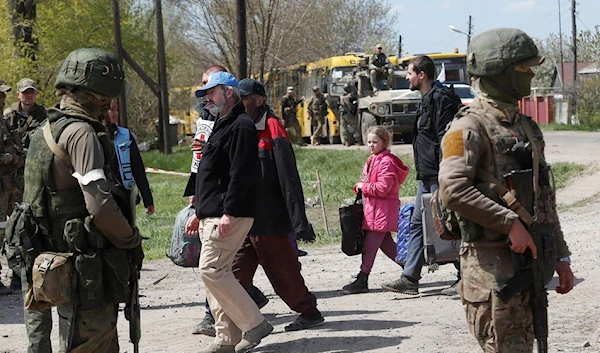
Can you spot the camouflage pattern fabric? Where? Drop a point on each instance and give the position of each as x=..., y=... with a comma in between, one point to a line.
x=349, y=120
x=498, y=327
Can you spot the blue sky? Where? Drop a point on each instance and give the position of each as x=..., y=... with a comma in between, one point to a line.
x=424, y=24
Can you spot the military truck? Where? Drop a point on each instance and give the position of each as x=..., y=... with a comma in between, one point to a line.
x=394, y=105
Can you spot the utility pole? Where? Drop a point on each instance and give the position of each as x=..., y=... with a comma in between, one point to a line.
x=399, y=46
x=562, y=62
x=469, y=32
x=118, y=44
x=574, y=87
x=162, y=79
x=242, y=54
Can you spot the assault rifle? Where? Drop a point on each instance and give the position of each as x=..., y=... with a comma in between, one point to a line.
x=126, y=201
x=132, y=309
x=532, y=274
x=530, y=277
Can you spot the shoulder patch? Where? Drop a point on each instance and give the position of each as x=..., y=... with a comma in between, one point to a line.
x=453, y=144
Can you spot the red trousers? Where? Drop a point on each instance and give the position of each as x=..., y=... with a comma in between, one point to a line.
x=280, y=263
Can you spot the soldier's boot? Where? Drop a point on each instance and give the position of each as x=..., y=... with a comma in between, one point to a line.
x=360, y=285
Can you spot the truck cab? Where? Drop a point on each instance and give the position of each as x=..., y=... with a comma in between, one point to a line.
x=393, y=106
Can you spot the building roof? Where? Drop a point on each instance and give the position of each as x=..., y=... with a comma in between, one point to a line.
x=568, y=72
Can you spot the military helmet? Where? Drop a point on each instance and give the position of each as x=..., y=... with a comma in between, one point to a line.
x=92, y=69
x=490, y=52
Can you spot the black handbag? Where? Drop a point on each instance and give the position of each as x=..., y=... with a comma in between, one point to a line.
x=351, y=218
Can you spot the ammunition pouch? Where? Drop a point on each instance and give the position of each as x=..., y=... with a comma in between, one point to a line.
x=91, y=285
x=102, y=270
x=53, y=280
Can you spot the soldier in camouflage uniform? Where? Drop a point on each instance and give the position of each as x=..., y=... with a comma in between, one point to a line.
x=491, y=138
x=317, y=110
x=25, y=115
x=11, y=171
x=348, y=113
x=289, y=109
x=379, y=67
x=68, y=167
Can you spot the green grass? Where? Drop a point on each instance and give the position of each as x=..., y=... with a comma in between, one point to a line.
x=564, y=171
x=339, y=171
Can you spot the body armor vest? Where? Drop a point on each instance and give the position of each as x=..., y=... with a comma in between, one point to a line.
x=512, y=152
x=50, y=207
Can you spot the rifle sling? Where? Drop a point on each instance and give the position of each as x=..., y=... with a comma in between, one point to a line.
x=26, y=125
x=54, y=147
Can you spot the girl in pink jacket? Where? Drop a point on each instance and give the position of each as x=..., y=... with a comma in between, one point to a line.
x=380, y=184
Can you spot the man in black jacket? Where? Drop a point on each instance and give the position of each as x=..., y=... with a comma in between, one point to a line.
x=225, y=205
x=279, y=211
x=434, y=114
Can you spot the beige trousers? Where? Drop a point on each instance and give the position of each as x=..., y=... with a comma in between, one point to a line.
x=233, y=309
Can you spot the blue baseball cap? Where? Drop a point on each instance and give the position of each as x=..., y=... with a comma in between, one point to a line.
x=215, y=79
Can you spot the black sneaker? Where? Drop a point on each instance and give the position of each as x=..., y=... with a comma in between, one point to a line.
x=402, y=285
x=303, y=322
x=302, y=253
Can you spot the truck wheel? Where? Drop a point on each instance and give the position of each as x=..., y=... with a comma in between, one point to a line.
x=366, y=121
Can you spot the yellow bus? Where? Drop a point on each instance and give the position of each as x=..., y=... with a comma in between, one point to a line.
x=303, y=77
x=454, y=64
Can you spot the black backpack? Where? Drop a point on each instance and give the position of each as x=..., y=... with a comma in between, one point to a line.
x=456, y=101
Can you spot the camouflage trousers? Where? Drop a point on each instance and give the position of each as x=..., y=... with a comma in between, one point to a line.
x=498, y=327
x=349, y=129
x=292, y=126
x=318, y=120
x=93, y=330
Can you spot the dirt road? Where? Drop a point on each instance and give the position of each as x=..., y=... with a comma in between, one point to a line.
x=377, y=321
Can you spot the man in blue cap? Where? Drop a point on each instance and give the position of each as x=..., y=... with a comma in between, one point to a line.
x=225, y=204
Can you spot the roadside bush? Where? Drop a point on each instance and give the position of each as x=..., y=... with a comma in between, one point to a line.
x=589, y=103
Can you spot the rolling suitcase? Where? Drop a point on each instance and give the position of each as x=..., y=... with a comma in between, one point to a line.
x=436, y=250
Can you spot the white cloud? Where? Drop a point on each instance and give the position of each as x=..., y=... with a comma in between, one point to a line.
x=518, y=6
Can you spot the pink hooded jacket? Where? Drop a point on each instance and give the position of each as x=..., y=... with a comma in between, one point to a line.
x=382, y=176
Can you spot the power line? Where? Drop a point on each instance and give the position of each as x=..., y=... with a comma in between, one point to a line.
x=580, y=21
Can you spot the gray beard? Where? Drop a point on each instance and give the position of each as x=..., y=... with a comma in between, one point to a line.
x=215, y=110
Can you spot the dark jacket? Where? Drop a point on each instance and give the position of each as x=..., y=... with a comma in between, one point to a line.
x=280, y=207
x=228, y=172
x=137, y=168
x=433, y=115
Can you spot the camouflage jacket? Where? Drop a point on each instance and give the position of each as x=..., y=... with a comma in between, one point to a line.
x=318, y=104
x=11, y=153
x=25, y=125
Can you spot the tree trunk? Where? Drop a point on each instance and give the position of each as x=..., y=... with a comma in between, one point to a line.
x=23, y=17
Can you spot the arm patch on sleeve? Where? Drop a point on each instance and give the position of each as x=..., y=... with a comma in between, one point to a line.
x=454, y=145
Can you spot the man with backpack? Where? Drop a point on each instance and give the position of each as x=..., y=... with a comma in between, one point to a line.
x=437, y=109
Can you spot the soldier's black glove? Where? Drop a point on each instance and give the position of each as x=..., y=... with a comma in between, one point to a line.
x=136, y=256
x=307, y=234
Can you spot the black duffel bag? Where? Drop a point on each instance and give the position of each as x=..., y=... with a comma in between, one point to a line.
x=351, y=218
